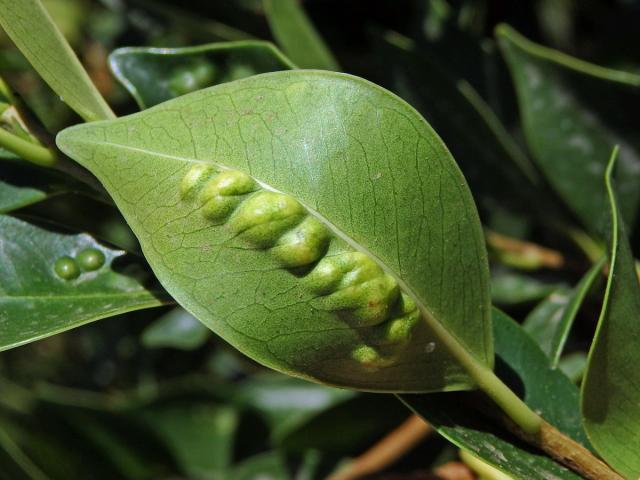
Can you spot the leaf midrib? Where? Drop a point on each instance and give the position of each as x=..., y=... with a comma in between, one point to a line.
x=7, y=298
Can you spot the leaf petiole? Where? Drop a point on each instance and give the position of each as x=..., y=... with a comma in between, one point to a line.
x=27, y=150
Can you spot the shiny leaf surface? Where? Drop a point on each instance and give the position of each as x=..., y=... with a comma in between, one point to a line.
x=46, y=289
x=253, y=201
x=153, y=75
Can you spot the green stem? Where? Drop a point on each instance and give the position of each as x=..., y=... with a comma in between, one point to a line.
x=26, y=150
x=592, y=249
x=487, y=381
x=519, y=418
x=483, y=469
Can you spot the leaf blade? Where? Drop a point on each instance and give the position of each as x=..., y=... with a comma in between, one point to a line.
x=571, y=131
x=32, y=30
x=306, y=160
x=610, y=390
x=297, y=35
x=150, y=74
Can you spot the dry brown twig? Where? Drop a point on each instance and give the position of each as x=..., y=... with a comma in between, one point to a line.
x=387, y=450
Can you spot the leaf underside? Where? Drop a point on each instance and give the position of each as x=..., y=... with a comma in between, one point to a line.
x=364, y=164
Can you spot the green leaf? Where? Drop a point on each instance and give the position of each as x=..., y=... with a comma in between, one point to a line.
x=542, y=322
x=269, y=465
x=573, y=113
x=288, y=403
x=611, y=386
x=23, y=184
x=200, y=436
x=523, y=366
x=511, y=288
x=15, y=192
x=154, y=75
x=573, y=365
x=46, y=290
x=476, y=137
x=176, y=329
x=30, y=27
x=296, y=34
x=15, y=464
x=368, y=185
x=551, y=321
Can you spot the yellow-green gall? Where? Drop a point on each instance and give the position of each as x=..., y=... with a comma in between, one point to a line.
x=66, y=268
x=325, y=277
x=356, y=286
x=370, y=358
x=366, y=303
x=229, y=182
x=195, y=178
x=365, y=354
x=90, y=259
x=265, y=216
x=221, y=195
x=302, y=245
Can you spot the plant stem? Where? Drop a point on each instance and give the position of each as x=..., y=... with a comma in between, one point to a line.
x=487, y=381
x=483, y=469
x=386, y=451
x=568, y=452
x=592, y=249
x=519, y=418
x=26, y=150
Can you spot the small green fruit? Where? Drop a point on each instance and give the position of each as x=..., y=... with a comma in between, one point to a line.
x=66, y=268
x=90, y=259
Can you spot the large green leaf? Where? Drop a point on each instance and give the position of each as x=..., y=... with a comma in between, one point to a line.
x=298, y=37
x=32, y=30
x=154, y=75
x=611, y=387
x=379, y=195
x=573, y=113
x=46, y=289
x=525, y=368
